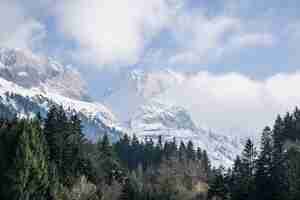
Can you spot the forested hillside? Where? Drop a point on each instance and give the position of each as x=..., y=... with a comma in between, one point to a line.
x=271, y=171
x=51, y=159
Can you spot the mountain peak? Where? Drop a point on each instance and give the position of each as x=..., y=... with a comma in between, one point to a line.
x=39, y=82
x=33, y=71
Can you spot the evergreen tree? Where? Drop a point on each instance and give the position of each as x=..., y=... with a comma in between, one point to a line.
x=243, y=185
x=56, y=133
x=173, y=148
x=182, y=151
x=122, y=148
x=279, y=166
x=285, y=127
x=294, y=174
x=199, y=154
x=8, y=143
x=149, y=153
x=104, y=147
x=263, y=180
x=158, y=150
x=72, y=151
x=170, y=149
x=248, y=158
x=160, y=143
x=190, y=151
x=50, y=132
x=218, y=189
x=129, y=191
x=237, y=188
x=297, y=123
x=29, y=174
x=206, y=163
x=107, y=165
x=135, y=153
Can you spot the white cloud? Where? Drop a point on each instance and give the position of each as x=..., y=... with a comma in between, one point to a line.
x=234, y=102
x=119, y=32
x=252, y=40
x=18, y=29
x=112, y=31
x=201, y=39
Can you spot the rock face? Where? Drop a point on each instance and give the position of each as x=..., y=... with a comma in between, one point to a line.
x=31, y=71
x=31, y=84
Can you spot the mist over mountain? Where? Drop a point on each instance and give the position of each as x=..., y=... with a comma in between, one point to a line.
x=135, y=106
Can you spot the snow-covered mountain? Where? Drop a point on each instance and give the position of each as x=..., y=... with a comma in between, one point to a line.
x=156, y=119
x=31, y=84
x=141, y=101
x=31, y=71
x=137, y=87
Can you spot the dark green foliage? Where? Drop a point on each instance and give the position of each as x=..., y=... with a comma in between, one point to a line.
x=248, y=158
x=206, y=162
x=242, y=180
x=25, y=175
x=279, y=167
x=218, y=188
x=275, y=173
x=182, y=151
x=65, y=139
x=263, y=180
x=237, y=186
x=129, y=191
x=107, y=163
x=294, y=174
x=163, y=171
x=36, y=159
x=45, y=158
x=190, y=151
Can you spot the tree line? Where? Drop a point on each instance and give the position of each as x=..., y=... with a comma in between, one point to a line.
x=50, y=159
x=271, y=172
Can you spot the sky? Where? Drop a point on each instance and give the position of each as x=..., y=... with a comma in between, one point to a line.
x=256, y=38
x=251, y=46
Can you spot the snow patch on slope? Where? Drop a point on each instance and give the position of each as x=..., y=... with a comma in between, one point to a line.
x=156, y=119
x=87, y=108
x=29, y=70
x=136, y=101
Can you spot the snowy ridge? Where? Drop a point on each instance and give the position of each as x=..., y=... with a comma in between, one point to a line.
x=136, y=88
x=96, y=118
x=149, y=113
x=156, y=119
x=30, y=71
x=31, y=84
x=89, y=109
x=150, y=84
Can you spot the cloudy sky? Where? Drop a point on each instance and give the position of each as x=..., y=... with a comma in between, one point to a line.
x=258, y=38
x=250, y=46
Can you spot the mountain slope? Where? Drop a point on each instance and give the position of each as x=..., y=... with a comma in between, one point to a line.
x=137, y=87
x=31, y=71
x=31, y=84
x=156, y=119
x=147, y=111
